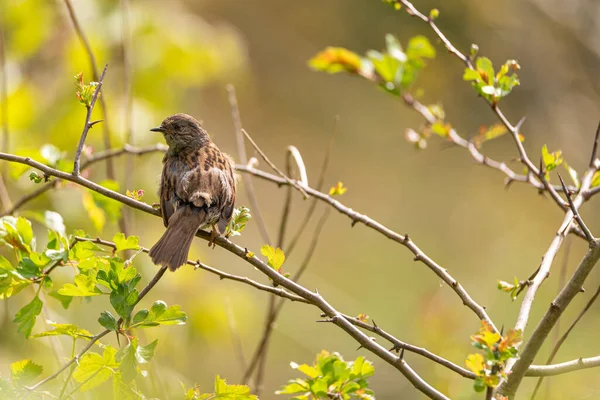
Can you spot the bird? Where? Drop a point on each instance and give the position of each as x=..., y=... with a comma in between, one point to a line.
x=197, y=189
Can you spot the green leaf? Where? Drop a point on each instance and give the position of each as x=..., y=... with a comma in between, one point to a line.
x=108, y=321
x=11, y=282
x=94, y=369
x=65, y=301
x=26, y=316
x=241, y=216
x=307, y=370
x=471, y=75
x=419, y=47
x=24, y=372
x=65, y=329
x=127, y=361
x=551, y=160
x=160, y=314
x=85, y=285
x=145, y=354
x=123, y=300
x=237, y=392
x=275, y=257
x=130, y=243
x=25, y=230
x=485, y=69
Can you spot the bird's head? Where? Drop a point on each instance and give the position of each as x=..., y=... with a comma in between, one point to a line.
x=182, y=131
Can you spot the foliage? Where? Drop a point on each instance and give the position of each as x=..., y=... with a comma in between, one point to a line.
x=497, y=349
x=240, y=218
x=394, y=70
x=221, y=391
x=491, y=85
x=331, y=376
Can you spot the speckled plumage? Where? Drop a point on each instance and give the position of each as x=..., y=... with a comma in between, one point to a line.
x=197, y=189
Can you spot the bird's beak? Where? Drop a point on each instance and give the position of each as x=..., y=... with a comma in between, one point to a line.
x=158, y=129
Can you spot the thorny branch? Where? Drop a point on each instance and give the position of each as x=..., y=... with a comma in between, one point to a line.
x=92, y=59
x=88, y=122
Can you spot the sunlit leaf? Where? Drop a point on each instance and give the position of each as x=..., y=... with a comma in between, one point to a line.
x=95, y=369
x=24, y=372
x=27, y=315
x=275, y=257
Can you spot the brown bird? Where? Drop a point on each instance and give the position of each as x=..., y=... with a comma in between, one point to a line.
x=197, y=189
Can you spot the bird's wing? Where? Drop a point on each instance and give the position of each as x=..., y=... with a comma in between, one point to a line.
x=210, y=183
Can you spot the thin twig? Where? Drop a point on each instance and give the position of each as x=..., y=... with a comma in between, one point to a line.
x=88, y=123
x=241, y=150
x=97, y=157
x=586, y=231
x=562, y=368
x=544, y=327
x=295, y=184
x=595, y=147
x=94, y=66
x=401, y=239
x=514, y=130
x=355, y=216
x=274, y=312
x=221, y=274
x=564, y=337
x=320, y=182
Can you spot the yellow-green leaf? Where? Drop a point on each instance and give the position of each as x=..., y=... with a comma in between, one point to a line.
x=275, y=257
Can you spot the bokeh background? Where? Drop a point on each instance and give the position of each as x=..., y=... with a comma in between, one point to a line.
x=183, y=53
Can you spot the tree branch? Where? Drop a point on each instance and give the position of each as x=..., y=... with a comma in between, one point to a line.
x=564, y=337
x=92, y=59
x=401, y=239
x=563, y=368
x=241, y=149
x=514, y=130
x=88, y=124
x=557, y=307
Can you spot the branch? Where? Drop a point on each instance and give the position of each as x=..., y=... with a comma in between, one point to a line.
x=241, y=149
x=312, y=297
x=92, y=59
x=514, y=130
x=511, y=176
x=100, y=156
x=274, y=310
x=319, y=187
x=586, y=231
x=401, y=239
x=88, y=124
x=564, y=337
x=557, y=307
x=221, y=274
x=595, y=148
x=274, y=167
x=563, y=368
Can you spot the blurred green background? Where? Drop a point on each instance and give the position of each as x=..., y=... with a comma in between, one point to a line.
x=184, y=53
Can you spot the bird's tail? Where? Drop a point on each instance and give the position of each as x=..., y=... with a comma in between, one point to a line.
x=173, y=247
